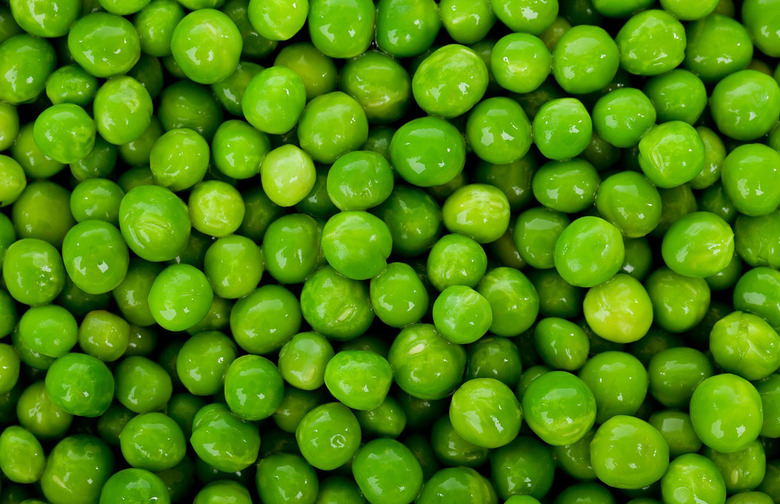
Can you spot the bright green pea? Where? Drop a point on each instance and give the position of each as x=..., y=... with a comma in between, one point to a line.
x=76, y=470
x=461, y=314
x=253, y=387
x=358, y=378
x=152, y=441
x=123, y=110
x=387, y=472
x=413, y=217
x=651, y=43
x=513, y=300
x=678, y=95
x=763, y=28
x=630, y=202
x=746, y=104
x=585, y=59
x=216, y=208
x=318, y=72
x=342, y=116
x=45, y=18
x=104, y=335
x=175, y=110
x=691, y=478
x=700, y=244
x=744, y=344
x=619, y=382
x=679, y=302
x=25, y=64
x=142, y=385
x=398, y=296
x=80, y=384
x=566, y=186
x=688, y=11
x=561, y=344
x=627, y=452
x=523, y=467
x=336, y=306
x=671, y=154
x=562, y=396
x=356, y=244
x=532, y=16
x=329, y=436
x=155, y=24
x=105, y=45
x=562, y=128
x=49, y=330
x=303, y=359
x=39, y=415
x=179, y=159
x=206, y=45
x=288, y=175
x=266, y=319
x=238, y=149
x=9, y=125
x=498, y=131
x=484, y=411
x=26, y=152
x=274, y=100
x=535, y=234
x=341, y=28
x=379, y=83
x=742, y=470
x=619, y=310
x=717, y=46
x=467, y=22
x=676, y=428
x=406, y=28
x=203, y=360
x=234, y=266
x=71, y=84
x=97, y=199
x=589, y=237
x=520, y=62
x=746, y=175
x=675, y=373
x=479, y=211
x=359, y=180
x=428, y=151
x=277, y=19
x=134, y=484
x=95, y=256
x=14, y=180
x=622, y=116
x=180, y=297
x=455, y=91
x=223, y=440
x=33, y=271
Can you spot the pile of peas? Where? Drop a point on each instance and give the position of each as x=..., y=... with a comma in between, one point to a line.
x=391, y=251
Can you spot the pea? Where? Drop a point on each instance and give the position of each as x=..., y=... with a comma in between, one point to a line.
x=744, y=175
x=76, y=470
x=761, y=27
x=318, y=72
x=217, y=490
x=33, y=271
x=585, y=59
x=386, y=471
x=175, y=109
x=464, y=85
x=561, y=344
x=9, y=125
x=523, y=467
x=531, y=16
x=745, y=105
x=223, y=440
x=266, y=319
x=678, y=95
x=618, y=9
x=562, y=128
x=671, y=154
x=194, y=40
x=352, y=22
x=25, y=64
x=697, y=475
x=80, y=384
x=559, y=395
x=336, y=306
x=574, y=459
x=274, y=100
x=757, y=247
x=136, y=483
x=627, y=452
x=467, y=22
x=26, y=152
x=676, y=428
x=406, y=28
x=42, y=212
x=589, y=236
x=427, y=152
x=742, y=343
x=651, y=42
x=622, y=116
x=675, y=373
x=104, y=44
x=343, y=115
x=152, y=441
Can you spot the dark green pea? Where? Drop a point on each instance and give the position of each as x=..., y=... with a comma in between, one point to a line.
x=203, y=360
x=574, y=459
x=675, y=373
x=742, y=470
x=523, y=467
x=26, y=152
x=413, y=218
x=149, y=73
x=99, y=163
x=388, y=420
x=675, y=203
x=585, y=492
x=387, y=472
x=266, y=319
x=412, y=356
x=175, y=110
x=76, y=470
x=42, y=211
x=341, y=28
x=676, y=428
x=295, y=404
x=756, y=239
x=9, y=367
x=131, y=295
x=183, y=408
x=453, y=450
x=224, y=441
x=339, y=490
x=260, y=211
x=142, y=385
x=152, y=441
x=25, y=64
x=679, y=302
x=230, y=91
x=561, y=344
x=566, y=186
x=755, y=291
x=557, y=298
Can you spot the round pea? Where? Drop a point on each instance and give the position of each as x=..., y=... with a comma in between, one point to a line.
x=585, y=59
x=274, y=100
x=25, y=64
x=329, y=436
x=104, y=44
x=341, y=28
x=342, y=116
x=266, y=319
x=563, y=396
x=595, y=239
x=651, y=42
x=33, y=271
x=700, y=244
x=206, y=45
x=746, y=104
x=406, y=28
x=386, y=471
x=347, y=369
x=671, y=154
x=520, y=62
x=80, y=384
x=428, y=151
x=152, y=441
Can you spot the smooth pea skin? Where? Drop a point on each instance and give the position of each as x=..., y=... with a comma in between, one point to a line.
x=253, y=387
x=671, y=154
x=651, y=43
x=234, y=266
x=22, y=458
x=123, y=110
x=398, y=296
x=206, y=46
x=105, y=45
x=95, y=256
x=678, y=95
x=675, y=373
x=679, y=302
x=80, y=384
x=513, y=300
x=288, y=175
x=676, y=428
x=561, y=396
x=238, y=149
x=726, y=412
x=341, y=28
x=329, y=436
x=283, y=475
x=747, y=175
x=274, y=100
x=406, y=28
x=618, y=381
x=744, y=344
x=486, y=412
x=223, y=440
x=561, y=344
x=25, y=63
x=76, y=470
x=14, y=180
x=566, y=186
x=428, y=151
x=380, y=84
x=45, y=18
x=266, y=319
x=154, y=222
x=700, y=244
x=33, y=271
x=180, y=297
x=455, y=484
x=461, y=314
x=520, y=62
x=756, y=291
x=532, y=16
x=479, y=211
x=356, y=244
x=152, y=441
x=303, y=359
x=619, y=310
x=139, y=484
x=562, y=128
x=216, y=208
x=465, y=21
x=450, y=81
x=387, y=472
x=693, y=478
x=340, y=115
x=589, y=251
x=629, y=453
x=335, y=306
x=585, y=59
x=359, y=180
x=746, y=104
x=358, y=378
x=622, y=116
x=179, y=159
x=498, y=131
x=65, y=133
x=523, y=467
x=425, y=365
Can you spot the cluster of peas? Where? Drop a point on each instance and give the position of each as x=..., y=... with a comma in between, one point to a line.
x=459, y=252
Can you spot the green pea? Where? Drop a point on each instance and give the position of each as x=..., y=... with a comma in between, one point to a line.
x=303, y=359
x=452, y=449
x=123, y=110
x=630, y=202
x=618, y=381
x=9, y=125
x=149, y=73
x=514, y=179
x=105, y=45
x=520, y=62
x=717, y=46
x=14, y=181
x=179, y=159
x=756, y=239
x=9, y=368
x=230, y=92
x=589, y=237
x=561, y=344
x=359, y=180
x=559, y=395
x=329, y=436
x=574, y=459
x=317, y=203
x=619, y=8
x=341, y=236
x=428, y=151
x=523, y=467
x=387, y=472
x=234, y=266
x=80, y=384
x=678, y=95
x=762, y=28
x=223, y=440
x=132, y=293
x=467, y=22
x=671, y=154
x=498, y=131
x=742, y=470
x=266, y=319
x=622, y=116
x=627, y=452
x=746, y=104
x=238, y=149
x=295, y=404
x=339, y=490
x=155, y=24
x=111, y=423
x=254, y=44
x=288, y=175
x=413, y=217
x=461, y=314
x=216, y=208
x=318, y=72
x=142, y=385
x=42, y=211
x=562, y=128
x=532, y=16
x=279, y=19
x=95, y=256
x=39, y=415
x=676, y=428
x=175, y=110
x=76, y=470
x=134, y=483
x=98, y=199
x=692, y=477
x=566, y=186
x=71, y=84
x=513, y=300
x=450, y=81
x=743, y=343
x=25, y=64
x=700, y=244
x=651, y=43
x=535, y=234
x=619, y=310
x=486, y=412
x=274, y=100
x=754, y=293
x=344, y=117
x=495, y=357
x=180, y=297
x=587, y=491
x=152, y=441
x=253, y=387
x=104, y=335
x=585, y=59
x=745, y=175
x=341, y=28
x=675, y=373
x=206, y=45
x=138, y=152
x=398, y=296
x=679, y=302
x=335, y=306
x=479, y=211
x=45, y=19
x=349, y=368
x=26, y=152
x=78, y=302
x=33, y=271
x=380, y=84
x=216, y=491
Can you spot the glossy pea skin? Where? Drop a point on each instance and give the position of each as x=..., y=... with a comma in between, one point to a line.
x=585, y=59
x=234, y=266
x=717, y=46
x=428, y=151
x=398, y=296
x=97, y=199
x=343, y=116
x=194, y=41
x=691, y=478
x=676, y=428
x=467, y=22
x=359, y=180
x=329, y=436
x=746, y=104
x=726, y=412
x=341, y=236
x=651, y=42
x=498, y=131
x=238, y=149
x=216, y=208
x=335, y=306
x=359, y=379
x=756, y=238
x=134, y=483
x=253, y=387
x=283, y=475
x=288, y=175
x=523, y=467
x=450, y=81
x=230, y=92
x=303, y=359
x=742, y=470
x=33, y=271
x=520, y=62
x=746, y=175
x=203, y=360
x=453, y=450
x=406, y=28
x=629, y=453
x=123, y=110
x=566, y=186
x=65, y=132
x=629, y=201
x=700, y=244
x=411, y=358
x=562, y=128
x=495, y=357
x=80, y=384
x=266, y=319
x=14, y=178
x=594, y=237
x=45, y=19
x=142, y=385
x=675, y=373
x=223, y=440
x=105, y=45
x=744, y=344
x=486, y=412
x=104, y=335
x=678, y=95
x=619, y=310
x=622, y=116
x=535, y=234
x=387, y=472
x=513, y=300
x=479, y=211
x=76, y=470
x=762, y=27
x=10, y=366
x=574, y=459
x=679, y=302
x=559, y=395
x=26, y=62
x=531, y=16
x=155, y=24
x=152, y=441
x=561, y=344
x=175, y=109
x=50, y=330
x=179, y=159
x=461, y=314
x=274, y=100
x=318, y=72
x=277, y=20
x=26, y=152
x=755, y=292
x=619, y=383
x=671, y=154
x=95, y=256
